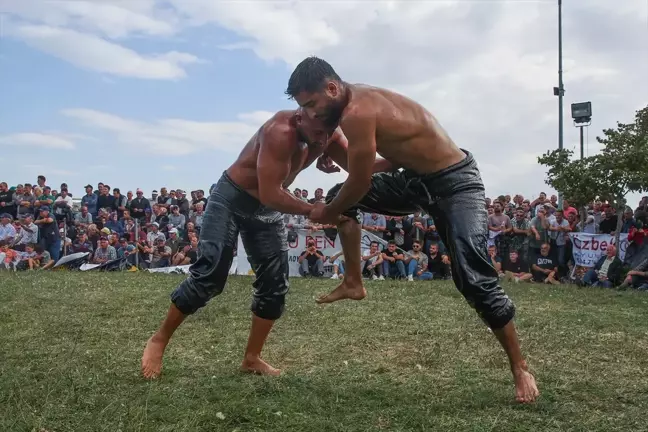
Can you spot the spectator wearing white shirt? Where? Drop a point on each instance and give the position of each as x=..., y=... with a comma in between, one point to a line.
x=83, y=219
x=62, y=205
x=28, y=232
x=154, y=234
x=7, y=230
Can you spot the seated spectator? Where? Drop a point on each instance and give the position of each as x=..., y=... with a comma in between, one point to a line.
x=28, y=233
x=24, y=201
x=66, y=242
x=199, y=215
x=637, y=277
x=160, y=254
x=373, y=260
x=516, y=269
x=438, y=264
x=188, y=254
x=495, y=261
x=176, y=219
x=607, y=271
x=8, y=256
x=417, y=263
x=83, y=218
x=338, y=263
x=545, y=268
x=311, y=261
x=104, y=252
x=191, y=231
x=43, y=259
x=82, y=245
x=393, y=262
x=154, y=234
x=114, y=225
x=174, y=241
x=7, y=230
x=7, y=203
x=25, y=257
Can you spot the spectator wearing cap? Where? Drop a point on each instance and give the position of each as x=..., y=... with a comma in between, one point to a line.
x=89, y=200
x=174, y=241
x=176, y=219
x=49, y=233
x=154, y=234
x=138, y=206
x=28, y=233
x=46, y=199
x=63, y=205
x=119, y=203
x=183, y=203
x=161, y=254
x=24, y=201
x=7, y=230
x=7, y=200
x=104, y=252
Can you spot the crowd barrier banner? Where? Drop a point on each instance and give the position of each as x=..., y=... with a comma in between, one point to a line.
x=324, y=244
x=589, y=248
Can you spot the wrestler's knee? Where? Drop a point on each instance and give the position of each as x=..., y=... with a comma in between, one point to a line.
x=498, y=313
x=193, y=294
x=271, y=287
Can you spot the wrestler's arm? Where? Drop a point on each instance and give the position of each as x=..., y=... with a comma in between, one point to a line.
x=361, y=132
x=273, y=168
x=338, y=151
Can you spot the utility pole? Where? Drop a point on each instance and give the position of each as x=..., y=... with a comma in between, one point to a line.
x=560, y=90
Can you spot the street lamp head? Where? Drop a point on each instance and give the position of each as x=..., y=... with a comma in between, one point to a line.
x=581, y=112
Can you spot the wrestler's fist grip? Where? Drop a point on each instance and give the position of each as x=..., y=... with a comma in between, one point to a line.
x=326, y=164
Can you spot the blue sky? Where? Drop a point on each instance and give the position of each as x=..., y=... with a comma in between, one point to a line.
x=151, y=93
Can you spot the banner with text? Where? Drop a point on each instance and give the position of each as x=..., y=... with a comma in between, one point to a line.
x=589, y=248
x=324, y=244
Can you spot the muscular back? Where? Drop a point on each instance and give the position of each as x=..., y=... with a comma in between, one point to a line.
x=278, y=130
x=406, y=133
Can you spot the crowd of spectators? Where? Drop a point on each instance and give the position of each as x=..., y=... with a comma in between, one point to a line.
x=527, y=241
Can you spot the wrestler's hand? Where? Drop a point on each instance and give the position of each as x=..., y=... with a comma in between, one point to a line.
x=326, y=164
x=321, y=214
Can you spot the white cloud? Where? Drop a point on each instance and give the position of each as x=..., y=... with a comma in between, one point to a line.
x=168, y=168
x=42, y=140
x=485, y=69
x=91, y=52
x=172, y=136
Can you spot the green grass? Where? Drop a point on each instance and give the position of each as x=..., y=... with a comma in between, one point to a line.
x=413, y=356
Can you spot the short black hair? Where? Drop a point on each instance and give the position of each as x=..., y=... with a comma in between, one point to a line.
x=374, y=243
x=416, y=241
x=309, y=76
x=392, y=242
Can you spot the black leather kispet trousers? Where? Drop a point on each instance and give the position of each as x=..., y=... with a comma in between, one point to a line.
x=455, y=198
x=230, y=211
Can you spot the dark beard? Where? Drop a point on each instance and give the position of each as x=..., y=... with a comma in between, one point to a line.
x=333, y=115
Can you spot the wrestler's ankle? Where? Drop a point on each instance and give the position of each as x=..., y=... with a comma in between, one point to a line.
x=160, y=337
x=251, y=358
x=519, y=367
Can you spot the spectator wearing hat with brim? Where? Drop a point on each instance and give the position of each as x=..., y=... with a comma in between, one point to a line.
x=154, y=234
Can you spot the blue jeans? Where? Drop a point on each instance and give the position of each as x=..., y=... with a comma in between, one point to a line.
x=340, y=265
x=54, y=250
x=591, y=278
x=412, y=267
x=396, y=270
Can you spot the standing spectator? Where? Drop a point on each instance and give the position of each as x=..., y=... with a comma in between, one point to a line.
x=499, y=225
x=89, y=200
x=568, y=210
x=521, y=227
x=41, y=181
x=374, y=223
x=396, y=229
x=63, y=206
x=608, y=225
x=544, y=268
x=164, y=198
x=200, y=197
x=304, y=195
x=516, y=269
x=628, y=220
x=129, y=199
x=46, y=199
x=419, y=227
x=591, y=227
x=559, y=228
x=319, y=196
x=119, y=203
x=24, y=202
x=539, y=232
x=311, y=261
x=7, y=200
x=7, y=230
x=138, y=206
x=183, y=203
x=49, y=232
x=417, y=263
x=105, y=200
x=393, y=262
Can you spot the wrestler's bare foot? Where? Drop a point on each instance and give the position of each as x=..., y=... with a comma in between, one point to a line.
x=526, y=390
x=346, y=290
x=152, y=357
x=257, y=366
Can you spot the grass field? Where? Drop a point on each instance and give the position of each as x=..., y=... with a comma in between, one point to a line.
x=413, y=356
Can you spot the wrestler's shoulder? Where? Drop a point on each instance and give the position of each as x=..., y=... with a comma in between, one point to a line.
x=279, y=124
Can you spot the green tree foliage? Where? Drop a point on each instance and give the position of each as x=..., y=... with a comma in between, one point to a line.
x=620, y=168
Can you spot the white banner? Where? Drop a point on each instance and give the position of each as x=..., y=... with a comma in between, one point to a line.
x=589, y=248
x=327, y=246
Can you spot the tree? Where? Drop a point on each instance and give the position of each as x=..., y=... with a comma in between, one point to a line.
x=620, y=168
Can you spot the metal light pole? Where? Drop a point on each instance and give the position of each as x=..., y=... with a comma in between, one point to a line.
x=560, y=90
x=582, y=115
